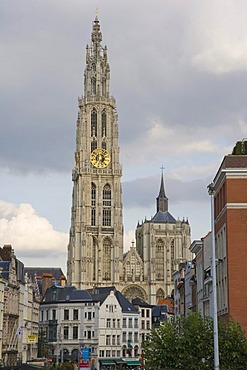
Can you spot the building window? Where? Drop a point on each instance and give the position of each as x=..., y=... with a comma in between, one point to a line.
x=52, y=333
x=89, y=316
x=108, y=353
x=107, y=205
x=130, y=323
x=66, y=315
x=94, y=123
x=113, y=339
x=101, y=353
x=93, y=204
x=93, y=195
x=159, y=260
x=53, y=314
x=147, y=313
x=54, y=295
x=66, y=332
x=89, y=334
x=143, y=324
x=103, y=86
x=106, y=217
x=107, y=196
x=143, y=312
x=93, y=86
x=118, y=340
x=107, y=259
x=75, y=314
x=124, y=323
x=108, y=323
x=135, y=337
x=93, y=145
x=136, y=323
x=108, y=340
x=75, y=332
x=103, y=122
x=124, y=336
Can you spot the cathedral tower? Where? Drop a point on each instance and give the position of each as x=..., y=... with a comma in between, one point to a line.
x=162, y=243
x=95, y=249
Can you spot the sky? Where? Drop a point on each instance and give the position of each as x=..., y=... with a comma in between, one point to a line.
x=179, y=76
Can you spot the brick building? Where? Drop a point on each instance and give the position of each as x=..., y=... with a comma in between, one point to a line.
x=230, y=217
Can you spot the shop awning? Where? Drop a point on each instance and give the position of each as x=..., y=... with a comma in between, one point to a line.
x=133, y=362
x=106, y=361
x=119, y=361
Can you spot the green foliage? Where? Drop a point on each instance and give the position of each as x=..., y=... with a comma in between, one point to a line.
x=232, y=346
x=240, y=148
x=188, y=344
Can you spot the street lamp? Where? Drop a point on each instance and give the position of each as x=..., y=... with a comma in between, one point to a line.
x=211, y=191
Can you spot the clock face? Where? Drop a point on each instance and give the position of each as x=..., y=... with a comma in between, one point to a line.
x=100, y=158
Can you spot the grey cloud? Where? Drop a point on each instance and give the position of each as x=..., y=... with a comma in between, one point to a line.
x=150, y=50
x=142, y=192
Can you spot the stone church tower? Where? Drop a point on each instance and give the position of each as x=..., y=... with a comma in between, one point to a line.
x=162, y=243
x=95, y=250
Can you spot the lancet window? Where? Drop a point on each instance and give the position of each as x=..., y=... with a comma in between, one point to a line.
x=106, y=259
x=93, y=204
x=159, y=260
x=93, y=145
x=103, y=123
x=94, y=123
x=93, y=86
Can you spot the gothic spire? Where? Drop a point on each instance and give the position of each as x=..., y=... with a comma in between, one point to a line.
x=162, y=200
x=97, y=71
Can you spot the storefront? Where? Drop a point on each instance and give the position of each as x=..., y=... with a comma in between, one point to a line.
x=118, y=364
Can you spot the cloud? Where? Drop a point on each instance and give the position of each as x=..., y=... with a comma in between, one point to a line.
x=142, y=192
x=28, y=233
x=225, y=58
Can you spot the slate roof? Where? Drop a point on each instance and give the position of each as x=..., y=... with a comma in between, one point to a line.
x=39, y=271
x=159, y=310
x=160, y=217
x=103, y=292
x=126, y=305
x=139, y=302
x=66, y=294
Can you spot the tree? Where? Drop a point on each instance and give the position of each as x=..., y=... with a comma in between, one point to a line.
x=232, y=346
x=188, y=344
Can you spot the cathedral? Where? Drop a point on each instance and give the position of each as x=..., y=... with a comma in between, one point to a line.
x=95, y=250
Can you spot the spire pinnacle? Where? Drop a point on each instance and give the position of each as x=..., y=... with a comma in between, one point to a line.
x=162, y=200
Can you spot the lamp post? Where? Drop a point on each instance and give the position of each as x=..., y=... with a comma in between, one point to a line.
x=211, y=192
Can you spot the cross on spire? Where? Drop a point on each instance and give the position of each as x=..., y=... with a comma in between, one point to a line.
x=162, y=169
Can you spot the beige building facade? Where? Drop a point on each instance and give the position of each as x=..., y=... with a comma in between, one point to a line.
x=95, y=250
x=19, y=311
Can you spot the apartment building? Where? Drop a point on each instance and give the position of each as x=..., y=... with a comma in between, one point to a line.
x=230, y=220
x=19, y=307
